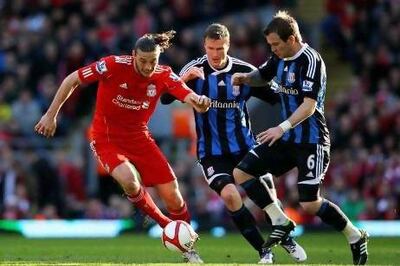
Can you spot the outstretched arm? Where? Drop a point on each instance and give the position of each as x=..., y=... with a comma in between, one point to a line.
x=258, y=77
x=252, y=78
x=200, y=103
x=193, y=73
x=48, y=123
x=305, y=110
x=190, y=74
x=265, y=94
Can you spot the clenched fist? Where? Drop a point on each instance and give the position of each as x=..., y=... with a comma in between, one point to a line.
x=239, y=78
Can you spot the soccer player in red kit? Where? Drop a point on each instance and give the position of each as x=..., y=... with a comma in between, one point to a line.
x=129, y=87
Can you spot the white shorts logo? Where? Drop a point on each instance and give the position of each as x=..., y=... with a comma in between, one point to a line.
x=210, y=171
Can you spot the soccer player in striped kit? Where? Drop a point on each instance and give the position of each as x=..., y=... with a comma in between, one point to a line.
x=224, y=135
x=297, y=73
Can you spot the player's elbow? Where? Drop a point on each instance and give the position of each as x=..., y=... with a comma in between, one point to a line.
x=311, y=110
x=73, y=79
x=309, y=106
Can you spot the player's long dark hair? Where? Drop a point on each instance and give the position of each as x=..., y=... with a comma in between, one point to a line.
x=150, y=41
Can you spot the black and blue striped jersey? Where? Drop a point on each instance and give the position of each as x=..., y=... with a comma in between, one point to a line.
x=225, y=128
x=294, y=78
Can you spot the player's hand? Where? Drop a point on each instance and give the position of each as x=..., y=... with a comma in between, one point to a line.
x=200, y=103
x=46, y=126
x=270, y=135
x=193, y=73
x=238, y=78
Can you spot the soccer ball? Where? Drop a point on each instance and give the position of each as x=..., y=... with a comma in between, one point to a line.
x=179, y=236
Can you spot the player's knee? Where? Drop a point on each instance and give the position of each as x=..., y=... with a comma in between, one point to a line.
x=126, y=180
x=221, y=182
x=240, y=176
x=130, y=185
x=311, y=207
x=231, y=197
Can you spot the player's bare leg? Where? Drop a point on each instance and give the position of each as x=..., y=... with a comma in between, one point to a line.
x=173, y=200
x=177, y=208
x=126, y=175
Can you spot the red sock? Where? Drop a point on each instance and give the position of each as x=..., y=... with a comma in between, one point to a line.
x=144, y=202
x=182, y=214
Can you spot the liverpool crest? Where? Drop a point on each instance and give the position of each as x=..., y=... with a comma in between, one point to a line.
x=151, y=90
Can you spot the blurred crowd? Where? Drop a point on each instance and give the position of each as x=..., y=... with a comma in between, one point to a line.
x=364, y=175
x=44, y=40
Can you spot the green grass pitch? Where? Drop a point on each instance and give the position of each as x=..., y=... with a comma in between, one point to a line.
x=137, y=249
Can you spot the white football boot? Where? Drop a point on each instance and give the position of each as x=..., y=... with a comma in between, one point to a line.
x=296, y=251
x=266, y=256
x=192, y=256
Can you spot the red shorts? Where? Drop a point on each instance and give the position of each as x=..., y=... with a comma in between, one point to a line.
x=144, y=155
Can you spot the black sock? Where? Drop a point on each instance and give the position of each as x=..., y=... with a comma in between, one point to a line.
x=246, y=224
x=257, y=192
x=332, y=215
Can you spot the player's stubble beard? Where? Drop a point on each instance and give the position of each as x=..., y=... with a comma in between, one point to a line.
x=141, y=71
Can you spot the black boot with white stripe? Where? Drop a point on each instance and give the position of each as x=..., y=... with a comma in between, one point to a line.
x=279, y=233
x=359, y=249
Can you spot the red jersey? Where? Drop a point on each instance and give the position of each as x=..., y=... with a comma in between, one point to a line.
x=125, y=99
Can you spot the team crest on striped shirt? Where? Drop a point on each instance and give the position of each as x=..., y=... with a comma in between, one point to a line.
x=235, y=90
x=151, y=90
x=291, y=77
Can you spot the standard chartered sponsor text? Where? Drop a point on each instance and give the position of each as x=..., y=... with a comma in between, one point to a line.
x=127, y=103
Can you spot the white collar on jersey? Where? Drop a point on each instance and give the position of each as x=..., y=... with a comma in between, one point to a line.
x=224, y=70
x=303, y=47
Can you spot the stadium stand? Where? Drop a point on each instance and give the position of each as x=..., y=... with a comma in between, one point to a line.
x=42, y=41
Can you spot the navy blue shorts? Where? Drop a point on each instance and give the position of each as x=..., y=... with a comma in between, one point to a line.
x=218, y=170
x=311, y=160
